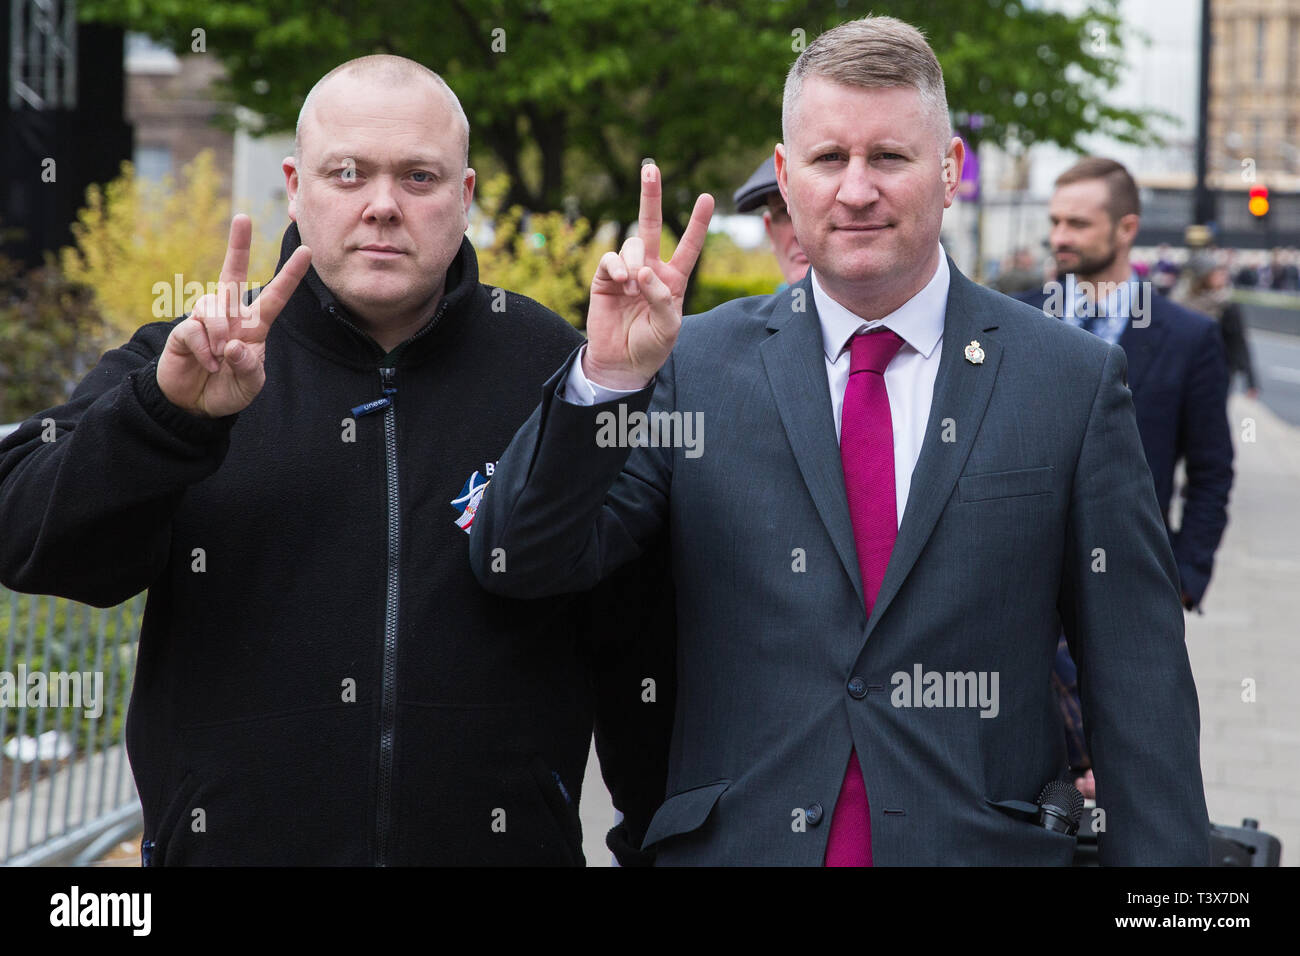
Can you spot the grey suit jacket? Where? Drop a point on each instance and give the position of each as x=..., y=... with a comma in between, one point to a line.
x=1031, y=508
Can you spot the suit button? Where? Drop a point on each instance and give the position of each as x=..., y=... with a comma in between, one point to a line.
x=857, y=688
x=813, y=814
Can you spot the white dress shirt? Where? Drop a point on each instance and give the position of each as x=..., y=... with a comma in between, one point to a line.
x=1117, y=308
x=909, y=377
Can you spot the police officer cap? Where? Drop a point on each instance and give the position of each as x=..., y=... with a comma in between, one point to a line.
x=757, y=187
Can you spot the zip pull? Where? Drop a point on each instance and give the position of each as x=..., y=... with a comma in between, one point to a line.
x=386, y=374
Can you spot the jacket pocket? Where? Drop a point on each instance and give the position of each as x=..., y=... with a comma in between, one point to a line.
x=559, y=800
x=684, y=812
x=1006, y=484
x=283, y=789
x=1027, y=813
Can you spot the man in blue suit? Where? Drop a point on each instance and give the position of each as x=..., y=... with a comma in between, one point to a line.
x=910, y=485
x=1177, y=367
x=1177, y=372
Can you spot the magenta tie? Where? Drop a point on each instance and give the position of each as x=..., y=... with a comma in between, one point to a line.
x=867, y=454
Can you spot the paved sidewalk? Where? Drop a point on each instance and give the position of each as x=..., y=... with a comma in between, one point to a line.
x=88, y=789
x=1250, y=752
x=125, y=854
x=597, y=812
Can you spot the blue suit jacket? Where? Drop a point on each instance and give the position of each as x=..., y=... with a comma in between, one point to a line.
x=1030, y=509
x=1178, y=373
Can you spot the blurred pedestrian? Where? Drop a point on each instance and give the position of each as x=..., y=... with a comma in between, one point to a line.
x=1289, y=272
x=1246, y=276
x=1209, y=293
x=1164, y=274
x=1177, y=366
x=761, y=190
x=1279, y=274
x=1022, y=274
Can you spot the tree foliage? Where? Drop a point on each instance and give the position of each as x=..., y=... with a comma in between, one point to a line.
x=137, y=242
x=567, y=96
x=541, y=255
x=50, y=336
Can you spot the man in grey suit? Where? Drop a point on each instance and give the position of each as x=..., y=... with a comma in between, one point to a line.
x=910, y=485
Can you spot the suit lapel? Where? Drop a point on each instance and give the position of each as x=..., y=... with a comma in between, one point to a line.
x=796, y=371
x=1141, y=345
x=961, y=394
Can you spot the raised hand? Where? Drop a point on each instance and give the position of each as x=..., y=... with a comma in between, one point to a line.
x=636, y=299
x=212, y=364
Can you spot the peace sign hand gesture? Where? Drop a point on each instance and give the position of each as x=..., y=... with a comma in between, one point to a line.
x=212, y=364
x=636, y=299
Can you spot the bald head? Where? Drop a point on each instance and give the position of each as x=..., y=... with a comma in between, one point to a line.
x=394, y=72
x=380, y=188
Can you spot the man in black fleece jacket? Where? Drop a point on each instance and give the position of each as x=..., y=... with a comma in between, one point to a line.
x=318, y=671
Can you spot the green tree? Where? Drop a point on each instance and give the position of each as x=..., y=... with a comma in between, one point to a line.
x=568, y=96
x=541, y=255
x=50, y=335
x=149, y=250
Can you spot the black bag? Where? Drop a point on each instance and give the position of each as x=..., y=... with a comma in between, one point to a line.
x=1246, y=845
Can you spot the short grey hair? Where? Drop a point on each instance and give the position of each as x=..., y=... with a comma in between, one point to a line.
x=397, y=71
x=872, y=53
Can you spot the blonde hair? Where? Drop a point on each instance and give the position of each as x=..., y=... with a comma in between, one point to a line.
x=872, y=53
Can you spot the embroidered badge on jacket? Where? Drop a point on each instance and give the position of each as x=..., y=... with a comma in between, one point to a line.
x=467, y=502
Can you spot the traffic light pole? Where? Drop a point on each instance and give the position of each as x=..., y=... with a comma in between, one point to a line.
x=1203, y=211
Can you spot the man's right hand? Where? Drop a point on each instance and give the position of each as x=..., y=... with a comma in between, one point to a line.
x=636, y=300
x=1086, y=785
x=212, y=364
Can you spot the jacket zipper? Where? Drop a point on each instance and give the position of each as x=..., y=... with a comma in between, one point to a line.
x=392, y=592
x=388, y=708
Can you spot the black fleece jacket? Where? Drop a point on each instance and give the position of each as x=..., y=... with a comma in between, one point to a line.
x=318, y=671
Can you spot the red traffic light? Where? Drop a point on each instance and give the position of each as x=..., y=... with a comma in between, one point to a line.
x=1258, y=200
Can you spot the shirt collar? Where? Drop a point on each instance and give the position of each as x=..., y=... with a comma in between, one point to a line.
x=918, y=321
x=1117, y=304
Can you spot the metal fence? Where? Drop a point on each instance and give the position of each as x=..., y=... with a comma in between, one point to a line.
x=66, y=790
